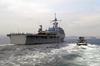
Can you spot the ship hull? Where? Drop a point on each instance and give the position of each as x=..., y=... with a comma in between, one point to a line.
x=33, y=39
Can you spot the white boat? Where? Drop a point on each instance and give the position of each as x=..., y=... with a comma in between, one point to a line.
x=81, y=41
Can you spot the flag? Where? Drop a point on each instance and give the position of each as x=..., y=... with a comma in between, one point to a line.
x=53, y=20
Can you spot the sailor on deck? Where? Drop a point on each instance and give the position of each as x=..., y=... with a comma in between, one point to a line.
x=81, y=40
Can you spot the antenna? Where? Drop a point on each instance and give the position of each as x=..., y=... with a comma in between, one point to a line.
x=55, y=15
x=18, y=30
x=39, y=21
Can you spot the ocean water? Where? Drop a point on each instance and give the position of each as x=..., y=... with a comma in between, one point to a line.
x=56, y=54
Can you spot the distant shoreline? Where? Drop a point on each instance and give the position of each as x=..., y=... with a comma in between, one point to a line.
x=86, y=37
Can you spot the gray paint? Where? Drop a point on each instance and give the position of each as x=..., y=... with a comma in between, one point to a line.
x=25, y=39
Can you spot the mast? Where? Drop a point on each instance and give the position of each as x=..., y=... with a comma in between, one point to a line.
x=55, y=24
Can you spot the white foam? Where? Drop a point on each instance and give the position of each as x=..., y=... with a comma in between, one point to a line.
x=5, y=44
x=89, y=55
x=85, y=55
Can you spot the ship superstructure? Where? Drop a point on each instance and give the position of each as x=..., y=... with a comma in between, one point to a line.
x=52, y=35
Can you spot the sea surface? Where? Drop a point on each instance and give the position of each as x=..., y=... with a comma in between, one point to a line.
x=66, y=53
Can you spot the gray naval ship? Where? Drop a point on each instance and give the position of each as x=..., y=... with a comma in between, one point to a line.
x=52, y=35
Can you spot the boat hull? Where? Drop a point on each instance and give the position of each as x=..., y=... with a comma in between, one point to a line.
x=34, y=39
x=82, y=44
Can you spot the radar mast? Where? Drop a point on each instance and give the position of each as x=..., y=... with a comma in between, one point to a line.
x=55, y=23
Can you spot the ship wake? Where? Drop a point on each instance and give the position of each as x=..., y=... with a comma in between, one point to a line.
x=69, y=55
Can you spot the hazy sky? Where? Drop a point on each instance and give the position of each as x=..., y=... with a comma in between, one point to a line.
x=79, y=17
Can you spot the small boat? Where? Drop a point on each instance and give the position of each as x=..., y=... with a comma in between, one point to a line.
x=81, y=41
